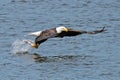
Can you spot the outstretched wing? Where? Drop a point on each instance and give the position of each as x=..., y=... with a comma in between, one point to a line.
x=96, y=31
x=45, y=35
x=72, y=32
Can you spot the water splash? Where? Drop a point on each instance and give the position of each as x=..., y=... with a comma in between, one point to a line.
x=19, y=46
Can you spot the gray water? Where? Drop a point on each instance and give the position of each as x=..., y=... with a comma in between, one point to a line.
x=84, y=57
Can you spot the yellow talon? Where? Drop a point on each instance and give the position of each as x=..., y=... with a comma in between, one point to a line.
x=35, y=45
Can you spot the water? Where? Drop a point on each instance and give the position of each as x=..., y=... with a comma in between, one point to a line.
x=93, y=57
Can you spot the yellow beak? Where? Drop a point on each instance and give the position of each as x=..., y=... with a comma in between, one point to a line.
x=65, y=29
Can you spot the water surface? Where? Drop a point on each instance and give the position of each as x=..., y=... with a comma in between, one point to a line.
x=93, y=57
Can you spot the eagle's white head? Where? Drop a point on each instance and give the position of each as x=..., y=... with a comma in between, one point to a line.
x=61, y=29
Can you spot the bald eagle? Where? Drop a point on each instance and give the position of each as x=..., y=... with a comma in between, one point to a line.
x=42, y=36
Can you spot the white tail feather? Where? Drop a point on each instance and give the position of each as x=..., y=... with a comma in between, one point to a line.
x=35, y=33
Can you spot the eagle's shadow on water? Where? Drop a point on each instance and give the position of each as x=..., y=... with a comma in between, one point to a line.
x=60, y=58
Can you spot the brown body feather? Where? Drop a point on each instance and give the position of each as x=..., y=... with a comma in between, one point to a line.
x=45, y=35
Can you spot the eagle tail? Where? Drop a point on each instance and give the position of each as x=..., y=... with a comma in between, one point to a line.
x=35, y=33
